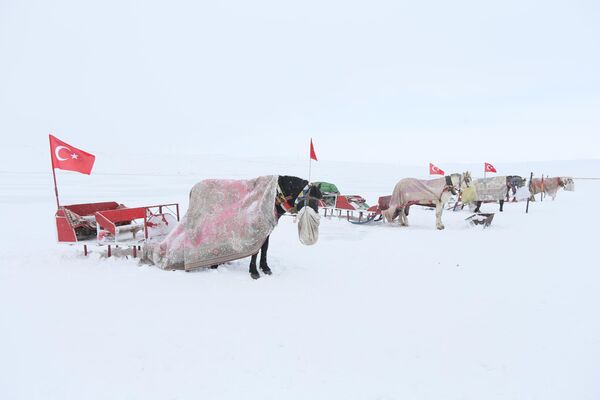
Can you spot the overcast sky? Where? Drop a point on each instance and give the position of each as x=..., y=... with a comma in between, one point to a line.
x=410, y=82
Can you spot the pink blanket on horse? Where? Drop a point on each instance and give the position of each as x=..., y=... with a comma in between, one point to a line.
x=550, y=186
x=411, y=191
x=226, y=220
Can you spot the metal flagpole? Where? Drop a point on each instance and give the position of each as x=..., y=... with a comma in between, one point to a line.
x=529, y=198
x=310, y=160
x=53, y=173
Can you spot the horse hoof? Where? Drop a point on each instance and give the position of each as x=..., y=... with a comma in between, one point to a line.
x=266, y=270
x=441, y=227
x=254, y=275
x=214, y=266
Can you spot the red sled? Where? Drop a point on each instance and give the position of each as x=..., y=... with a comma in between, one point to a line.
x=113, y=224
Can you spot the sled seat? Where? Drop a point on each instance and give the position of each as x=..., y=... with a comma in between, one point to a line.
x=384, y=202
x=120, y=221
x=484, y=219
x=77, y=222
x=342, y=203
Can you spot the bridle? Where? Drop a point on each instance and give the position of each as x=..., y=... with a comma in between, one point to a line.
x=284, y=201
x=304, y=195
x=450, y=186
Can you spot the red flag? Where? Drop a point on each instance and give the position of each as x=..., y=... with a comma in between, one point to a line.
x=433, y=170
x=67, y=157
x=313, y=155
x=489, y=168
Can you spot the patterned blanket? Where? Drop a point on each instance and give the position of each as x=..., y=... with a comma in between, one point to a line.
x=490, y=189
x=226, y=220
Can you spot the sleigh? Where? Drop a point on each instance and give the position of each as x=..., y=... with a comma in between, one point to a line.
x=344, y=206
x=114, y=225
x=335, y=204
x=372, y=213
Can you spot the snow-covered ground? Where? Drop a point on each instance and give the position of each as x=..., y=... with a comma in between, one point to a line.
x=370, y=312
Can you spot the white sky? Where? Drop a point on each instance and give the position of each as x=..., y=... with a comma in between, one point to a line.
x=410, y=82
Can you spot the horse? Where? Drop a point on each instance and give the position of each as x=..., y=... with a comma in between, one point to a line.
x=293, y=194
x=548, y=185
x=513, y=183
x=431, y=193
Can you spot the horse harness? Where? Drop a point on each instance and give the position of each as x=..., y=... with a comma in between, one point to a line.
x=449, y=185
x=283, y=201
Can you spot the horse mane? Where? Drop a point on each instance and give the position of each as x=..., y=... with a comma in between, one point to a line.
x=291, y=185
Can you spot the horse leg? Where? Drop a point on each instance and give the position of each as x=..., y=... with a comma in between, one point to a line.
x=403, y=216
x=253, y=271
x=263, y=258
x=439, y=208
x=478, y=203
x=388, y=215
x=501, y=205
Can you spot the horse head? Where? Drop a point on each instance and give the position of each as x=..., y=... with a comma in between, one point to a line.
x=294, y=193
x=567, y=183
x=466, y=179
x=461, y=181
x=311, y=196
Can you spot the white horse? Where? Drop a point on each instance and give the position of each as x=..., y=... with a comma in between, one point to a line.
x=433, y=193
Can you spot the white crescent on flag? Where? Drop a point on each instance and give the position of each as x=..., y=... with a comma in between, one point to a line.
x=57, y=152
x=489, y=168
x=69, y=158
x=434, y=170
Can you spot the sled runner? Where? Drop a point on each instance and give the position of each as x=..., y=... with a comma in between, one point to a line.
x=373, y=213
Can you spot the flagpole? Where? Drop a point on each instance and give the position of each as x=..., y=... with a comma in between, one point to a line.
x=53, y=174
x=310, y=160
x=309, y=167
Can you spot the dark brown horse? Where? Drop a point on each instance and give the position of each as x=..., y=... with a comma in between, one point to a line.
x=293, y=194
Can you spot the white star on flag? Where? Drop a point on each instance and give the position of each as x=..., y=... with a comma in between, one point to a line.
x=74, y=156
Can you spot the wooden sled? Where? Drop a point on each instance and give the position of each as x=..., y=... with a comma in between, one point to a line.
x=484, y=219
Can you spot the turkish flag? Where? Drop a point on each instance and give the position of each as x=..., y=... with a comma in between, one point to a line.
x=489, y=168
x=433, y=170
x=70, y=158
x=313, y=155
